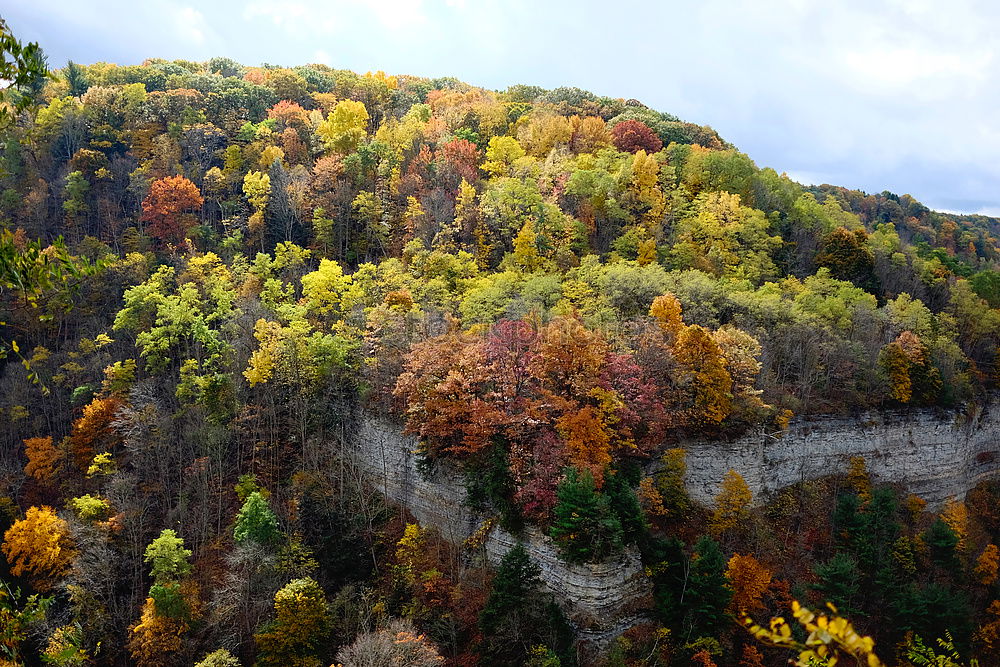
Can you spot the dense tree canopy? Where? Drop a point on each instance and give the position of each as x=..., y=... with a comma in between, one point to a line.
x=218, y=270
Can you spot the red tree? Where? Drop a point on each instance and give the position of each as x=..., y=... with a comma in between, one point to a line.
x=167, y=208
x=634, y=135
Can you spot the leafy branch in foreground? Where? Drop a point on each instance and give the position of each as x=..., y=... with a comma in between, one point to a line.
x=22, y=66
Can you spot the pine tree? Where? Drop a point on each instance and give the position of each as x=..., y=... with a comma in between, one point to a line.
x=584, y=526
x=838, y=582
x=708, y=593
x=516, y=578
x=942, y=541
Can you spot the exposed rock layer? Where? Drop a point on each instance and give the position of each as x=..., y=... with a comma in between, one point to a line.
x=935, y=455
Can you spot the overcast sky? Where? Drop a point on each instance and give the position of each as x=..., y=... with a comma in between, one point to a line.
x=900, y=95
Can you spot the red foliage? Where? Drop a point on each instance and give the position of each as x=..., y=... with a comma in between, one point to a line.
x=554, y=395
x=289, y=114
x=167, y=208
x=634, y=135
x=457, y=160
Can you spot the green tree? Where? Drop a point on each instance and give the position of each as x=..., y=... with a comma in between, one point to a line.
x=839, y=582
x=167, y=557
x=517, y=616
x=256, y=521
x=22, y=68
x=584, y=525
x=708, y=593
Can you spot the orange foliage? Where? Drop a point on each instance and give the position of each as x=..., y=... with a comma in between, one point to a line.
x=39, y=545
x=703, y=658
x=751, y=657
x=155, y=639
x=93, y=430
x=43, y=458
x=650, y=497
x=167, y=208
x=587, y=440
x=988, y=565
x=749, y=581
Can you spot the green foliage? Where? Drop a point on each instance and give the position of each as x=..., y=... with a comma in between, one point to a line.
x=838, y=582
x=490, y=487
x=256, y=521
x=708, y=593
x=516, y=578
x=516, y=617
x=584, y=525
x=23, y=68
x=90, y=508
x=167, y=557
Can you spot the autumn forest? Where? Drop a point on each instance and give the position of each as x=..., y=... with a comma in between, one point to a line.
x=211, y=273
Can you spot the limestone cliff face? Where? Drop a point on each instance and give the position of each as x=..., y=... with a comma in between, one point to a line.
x=599, y=598
x=936, y=455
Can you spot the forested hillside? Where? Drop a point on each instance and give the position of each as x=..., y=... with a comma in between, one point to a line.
x=209, y=271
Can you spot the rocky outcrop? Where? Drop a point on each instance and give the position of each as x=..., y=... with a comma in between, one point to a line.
x=935, y=455
x=599, y=598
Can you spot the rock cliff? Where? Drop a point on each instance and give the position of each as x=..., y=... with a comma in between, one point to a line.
x=935, y=455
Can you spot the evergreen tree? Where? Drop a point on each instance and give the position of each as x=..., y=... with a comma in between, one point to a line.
x=942, y=541
x=584, y=526
x=76, y=78
x=619, y=489
x=708, y=593
x=517, y=617
x=838, y=582
x=515, y=580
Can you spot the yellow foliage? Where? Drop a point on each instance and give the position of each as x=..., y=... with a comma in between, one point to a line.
x=956, y=515
x=666, y=310
x=155, y=638
x=858, y=478
x=647, y=252
x=831, y=640
x=526, y=247
x=39, y=545
x=731, y=504
x=709, y=384
x=988, y=565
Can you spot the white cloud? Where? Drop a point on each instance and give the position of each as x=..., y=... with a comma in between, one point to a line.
x=191, y=25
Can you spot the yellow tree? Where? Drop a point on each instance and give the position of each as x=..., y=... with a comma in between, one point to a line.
x=666, y=310
x=302, y=622
x=526, y=247
x=156, y=639
x=732, y=504
x=345, y=127
x=257, y=189
x=707, y=382
x=501, y=154
x=39, y=545
x=645, y=188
